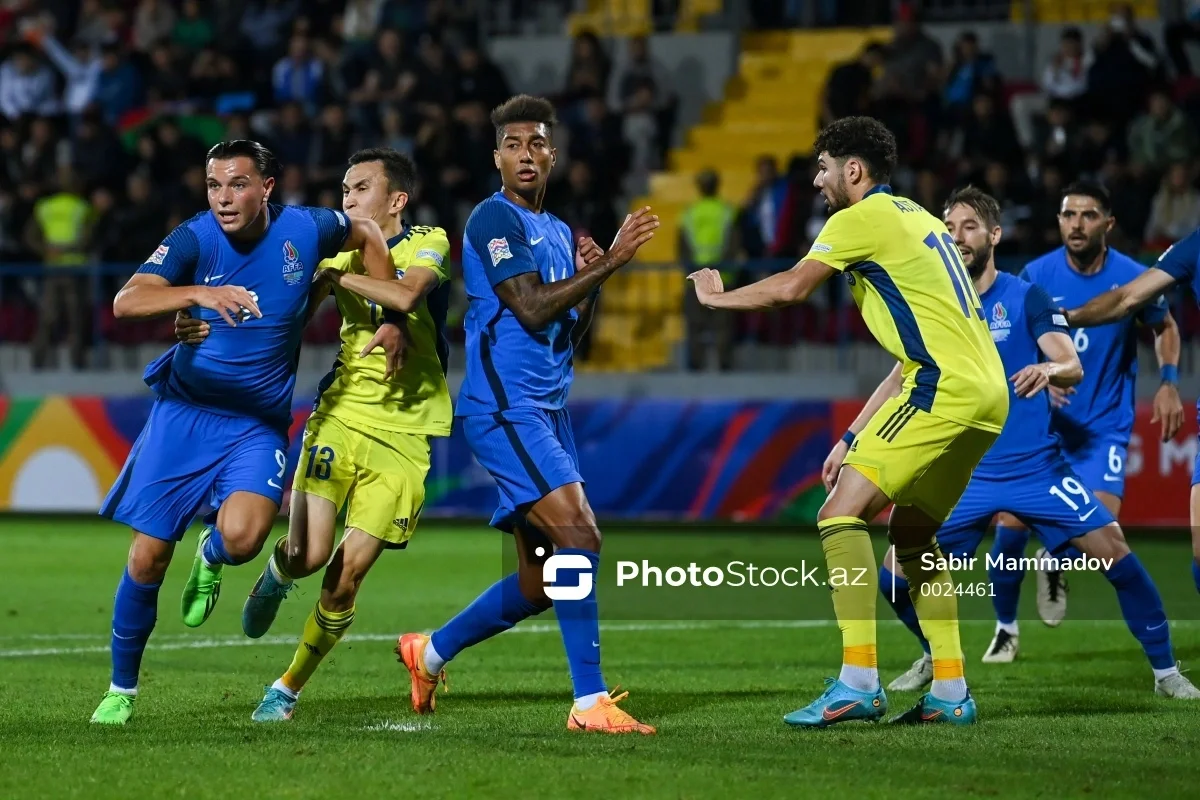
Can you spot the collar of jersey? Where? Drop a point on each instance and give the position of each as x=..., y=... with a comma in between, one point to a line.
x=404, y=233
x=882, y=188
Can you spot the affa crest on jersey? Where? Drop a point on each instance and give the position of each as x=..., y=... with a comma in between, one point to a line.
x=498, y=249
x=159, y=255
x=1000, y=324
x=293, y=268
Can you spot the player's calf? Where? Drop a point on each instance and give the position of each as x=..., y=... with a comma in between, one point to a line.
x=243, y=523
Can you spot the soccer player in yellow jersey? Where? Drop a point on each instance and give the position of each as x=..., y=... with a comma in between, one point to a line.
x=366, y=444
x=919, y=450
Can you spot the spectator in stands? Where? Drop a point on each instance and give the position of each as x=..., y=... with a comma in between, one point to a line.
x=1047, y=200
x=434, y=77
x=292, y=140
x=1125, y=67
x=26, y=85
x=707, y=238
x=1056, y=137
x=388, y=79
x=759, y=218
x=59, y=232
x=152, y=23
x=972, y=72
x=292, y=189
x=645, y=90
x=138, y=222
x=177, y=149
x=850, y=89
x=580, y=203
x=80, y=68
x=264, y=28
x=987, y=134
x=42, y=153
x=97, y=156
x=361, y=22
x=478, y=79
x=587, y=74
x=95, y=28
x=1160, y=136
x=639, y=128
x=1066, y=74
x=332, y=146
x=193, y=31
x=166, y=83
x=912, y=68
x=597, y=137
x=1176, y=209
x=298, y=76
x=120, y=86
x=474, y=142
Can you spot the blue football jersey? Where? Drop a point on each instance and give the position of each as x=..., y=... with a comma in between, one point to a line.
x=1103, y=403
x=250, y=369
x=1017, y=313
x=507, y=365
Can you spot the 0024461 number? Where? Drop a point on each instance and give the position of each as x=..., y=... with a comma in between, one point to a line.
x=963, y=287
x=939, y=589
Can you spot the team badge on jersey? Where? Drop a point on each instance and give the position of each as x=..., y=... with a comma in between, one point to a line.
x=159, y=255
x=498, y=248
x=293, y=269
x=1000, y=324
x=432, y=255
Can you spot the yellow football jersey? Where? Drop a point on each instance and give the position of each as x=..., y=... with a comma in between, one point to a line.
x=917, y=298
x=417, y=399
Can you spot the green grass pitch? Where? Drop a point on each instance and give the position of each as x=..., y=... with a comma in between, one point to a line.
x=1074, y=716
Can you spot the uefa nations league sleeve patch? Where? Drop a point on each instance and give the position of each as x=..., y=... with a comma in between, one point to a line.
x=498, y=249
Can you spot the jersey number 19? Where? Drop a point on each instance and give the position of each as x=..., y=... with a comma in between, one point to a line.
x=963, y=287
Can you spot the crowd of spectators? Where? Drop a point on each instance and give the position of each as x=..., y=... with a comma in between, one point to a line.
x=107, y=107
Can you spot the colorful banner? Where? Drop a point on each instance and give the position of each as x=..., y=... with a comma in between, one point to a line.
x=643, y=459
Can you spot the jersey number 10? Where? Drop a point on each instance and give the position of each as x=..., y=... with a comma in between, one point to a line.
x=963, y=287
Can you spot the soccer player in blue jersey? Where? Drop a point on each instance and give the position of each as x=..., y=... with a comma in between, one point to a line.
x=531, y=297
x=1179, y=265
x=1095, y=422
x=216, y=437
x=1025, y=472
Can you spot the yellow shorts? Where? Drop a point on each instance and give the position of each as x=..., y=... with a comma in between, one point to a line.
x=378, y=475
x=917, y=459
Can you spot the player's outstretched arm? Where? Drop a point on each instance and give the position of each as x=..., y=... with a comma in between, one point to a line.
x=776, y=291
x=536, y=304
x=147, y=295
x=587, y=252
x=1061, y=369
x=403, y=295
x=366, y=236
x=1122, y=301
x=888, y=388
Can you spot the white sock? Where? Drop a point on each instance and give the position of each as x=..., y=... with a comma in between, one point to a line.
x=1008, y=627
x=281, y=686
x=952, y=690
x=434, y=663
x=587, y=701
x=1159, y=674
x=864, y=679
x=275, y=572
x=112, y=687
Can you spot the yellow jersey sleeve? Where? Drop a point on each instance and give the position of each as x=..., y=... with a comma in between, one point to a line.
x=845, y=240
x=431, y=251
x=342, y=262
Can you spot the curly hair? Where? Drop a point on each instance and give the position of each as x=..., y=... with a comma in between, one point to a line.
x=523, y=108
x=978, y=201
x=864, y=138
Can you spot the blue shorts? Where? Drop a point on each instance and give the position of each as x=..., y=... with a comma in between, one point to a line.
x=187, y=461
x=1051, y=499
x=529, y=452
x=1098, y=461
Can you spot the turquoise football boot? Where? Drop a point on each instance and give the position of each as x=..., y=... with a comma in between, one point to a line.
x=839, y=703
x=929, y=710
x=276, y=706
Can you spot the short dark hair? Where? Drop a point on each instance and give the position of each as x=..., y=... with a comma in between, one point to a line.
x=864, y=138
x=400, y=170
x=978, y=201
x=523, y=108
x=1071, y=34
x=263, y=158
x=1092, y=189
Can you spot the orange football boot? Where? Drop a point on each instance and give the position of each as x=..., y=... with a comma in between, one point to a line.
x=604, y=717
x=411, y=650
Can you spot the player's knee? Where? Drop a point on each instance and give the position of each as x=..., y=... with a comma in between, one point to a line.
x=1106, y=543
x=582, y=536
x=148, y=564
x=243, y=538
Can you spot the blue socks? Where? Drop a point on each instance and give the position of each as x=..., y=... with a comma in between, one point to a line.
x=500, y=607
x=215, y=553
x=1006, y=583
x=579, y=621
x=902, y=604
x=1196, y=574
x=1142, y=608
x=134, y=614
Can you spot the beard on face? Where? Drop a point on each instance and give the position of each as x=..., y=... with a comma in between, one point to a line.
x=1086, y=251
x=979, y=259
x=838, y=198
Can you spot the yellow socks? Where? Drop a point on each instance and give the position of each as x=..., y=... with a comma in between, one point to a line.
x=854, y=585
x=322, y=631
x=932, y=593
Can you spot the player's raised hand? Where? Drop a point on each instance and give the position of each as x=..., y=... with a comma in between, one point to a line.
x=637, y=229
x=229, y=301
x=1059, y=397
x=708, y=283
x=394, y=341
x=1031, y=380
x=189, y=330
x=1168, y=409
x=833, y=465
x=587, y=252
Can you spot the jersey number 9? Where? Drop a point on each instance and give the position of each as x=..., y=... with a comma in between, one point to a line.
x=968, y=301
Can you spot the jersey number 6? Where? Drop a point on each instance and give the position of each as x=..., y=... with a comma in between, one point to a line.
x=948, y=250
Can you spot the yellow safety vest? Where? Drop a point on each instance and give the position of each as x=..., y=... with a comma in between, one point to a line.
x=63, y=219
x=706, y=225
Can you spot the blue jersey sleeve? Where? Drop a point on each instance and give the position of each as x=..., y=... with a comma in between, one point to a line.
x=496, y=234
x=1181, y=258
x=333, y=227
x=1040, y=314
x=1154, y=313
x=176, y=258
